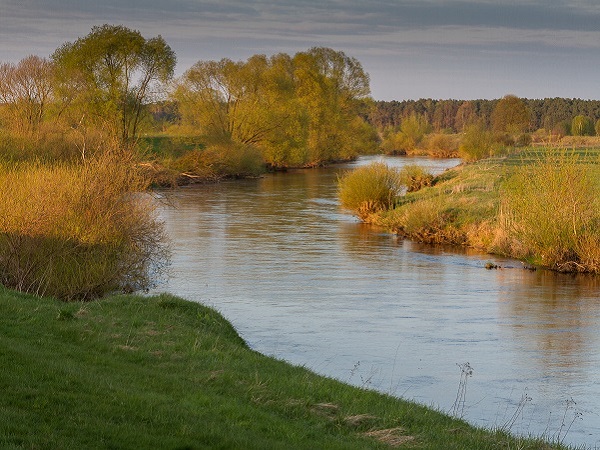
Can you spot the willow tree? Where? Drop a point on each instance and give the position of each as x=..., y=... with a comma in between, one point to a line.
x=111, y=74
x=298, y=110
x=331, y=86
x=226, y=100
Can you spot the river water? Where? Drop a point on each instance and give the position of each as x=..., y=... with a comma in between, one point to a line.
x=304, y=281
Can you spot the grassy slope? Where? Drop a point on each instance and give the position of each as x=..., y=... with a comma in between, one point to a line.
x=160, y=372
x=462, y=207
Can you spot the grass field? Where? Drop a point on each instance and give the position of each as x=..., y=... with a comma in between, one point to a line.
x=161, y=372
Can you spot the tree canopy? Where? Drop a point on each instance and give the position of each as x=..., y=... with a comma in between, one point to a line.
x=112, y=71
x=298, y=110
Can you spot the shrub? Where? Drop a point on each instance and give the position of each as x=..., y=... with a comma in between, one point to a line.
x=442, y=145
x=476, y=143
x=550, y=213
x=78, y=231
x=415, y=177
x=395, y=143
x=369, y=189
x=222, y=160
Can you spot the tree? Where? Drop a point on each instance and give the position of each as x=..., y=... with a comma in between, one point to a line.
x=112, y=72
x=298, y=110
x=477, y=143
x=510, y=115
x=25, y=91
x=226, y=100
x=465, y=116
x=331, y=87
x=414, y=129
x=582, y=126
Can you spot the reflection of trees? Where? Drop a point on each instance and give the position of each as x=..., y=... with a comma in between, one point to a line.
x=554, y=317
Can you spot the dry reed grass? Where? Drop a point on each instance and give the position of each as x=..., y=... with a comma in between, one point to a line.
x=77, y=231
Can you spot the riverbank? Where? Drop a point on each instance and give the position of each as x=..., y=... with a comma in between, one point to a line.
x=538, y=206
x=161, y=372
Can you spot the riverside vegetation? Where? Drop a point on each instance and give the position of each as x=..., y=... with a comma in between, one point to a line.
x=76, y=224
x=540, y=206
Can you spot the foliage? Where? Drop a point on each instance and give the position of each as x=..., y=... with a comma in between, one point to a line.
x=411, y=132
x=551, y=114
x=511, y=115
x=300, y=110
x=414, y=127
x=394, y=142
x=477, y=143
x=221, y=160
x=441, y=145
x=551, y=213
x=582, y=126
x=25, y=94
x=369, y=189
x=415, y=177
x=77, y=231
x=111, y=74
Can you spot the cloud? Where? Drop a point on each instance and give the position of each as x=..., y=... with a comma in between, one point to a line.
x=431, y=36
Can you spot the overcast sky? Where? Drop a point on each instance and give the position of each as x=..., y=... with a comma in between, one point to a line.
x=462, y=49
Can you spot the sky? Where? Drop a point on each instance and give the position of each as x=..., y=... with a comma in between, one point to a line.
x=440, y=49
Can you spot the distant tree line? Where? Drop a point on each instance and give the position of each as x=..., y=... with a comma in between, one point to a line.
x=559, y=116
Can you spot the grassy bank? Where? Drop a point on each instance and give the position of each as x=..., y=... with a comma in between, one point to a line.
x=160, y=372
x=541, y=206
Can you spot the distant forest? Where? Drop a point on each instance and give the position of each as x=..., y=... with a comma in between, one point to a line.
x=555, y=115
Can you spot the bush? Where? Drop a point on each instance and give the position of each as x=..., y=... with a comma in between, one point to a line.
x=476, y=143
x=415, y=177
x=78, y=231
x=369, y=189
x=222, y=160
x=395, y=143
x=441, y=145
x=551, y=213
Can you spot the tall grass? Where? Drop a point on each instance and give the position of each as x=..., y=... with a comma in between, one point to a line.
x=77, y=231
x=550, y=213
x=369, y=189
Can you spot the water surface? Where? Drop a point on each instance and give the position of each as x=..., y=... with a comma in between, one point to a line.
x=304, y=281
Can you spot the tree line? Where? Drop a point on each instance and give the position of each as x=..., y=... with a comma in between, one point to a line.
x=113, y=84
x=557, y=116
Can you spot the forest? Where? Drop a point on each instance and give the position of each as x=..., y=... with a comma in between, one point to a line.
x=554, y=115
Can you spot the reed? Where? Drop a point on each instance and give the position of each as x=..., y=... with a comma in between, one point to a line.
x=550, y=213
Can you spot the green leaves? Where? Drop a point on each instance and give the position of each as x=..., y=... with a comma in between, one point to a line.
x=298, y=110
x=115, y=67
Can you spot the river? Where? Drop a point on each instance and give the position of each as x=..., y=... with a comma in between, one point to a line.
x=304, y=281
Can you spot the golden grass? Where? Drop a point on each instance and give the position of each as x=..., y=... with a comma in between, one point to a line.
x=77, y=230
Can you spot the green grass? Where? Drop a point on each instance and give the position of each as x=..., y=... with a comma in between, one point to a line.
x=481, y=205
x=161, y=372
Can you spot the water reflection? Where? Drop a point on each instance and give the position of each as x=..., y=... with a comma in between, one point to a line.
x=555, y=316
x=304, y=281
